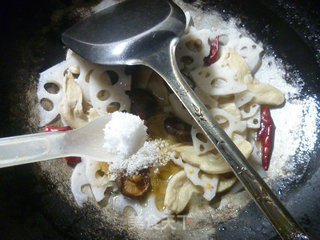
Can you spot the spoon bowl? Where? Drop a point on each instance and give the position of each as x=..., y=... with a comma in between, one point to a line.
x=132, y=35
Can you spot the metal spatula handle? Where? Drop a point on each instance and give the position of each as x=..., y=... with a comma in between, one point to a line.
x=165, y=64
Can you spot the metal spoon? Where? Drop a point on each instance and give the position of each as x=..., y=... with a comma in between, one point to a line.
x=147, y=32
x=86, y=141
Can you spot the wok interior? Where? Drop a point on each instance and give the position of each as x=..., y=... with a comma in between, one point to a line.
x=34, y=205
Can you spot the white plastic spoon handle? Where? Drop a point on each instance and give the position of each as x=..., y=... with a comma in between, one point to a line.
x=31, y=148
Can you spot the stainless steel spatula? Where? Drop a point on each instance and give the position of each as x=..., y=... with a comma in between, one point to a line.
x=147, y=32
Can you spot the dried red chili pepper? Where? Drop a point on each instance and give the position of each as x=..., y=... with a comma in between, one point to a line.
x=265, y=134
x=48, y=128
x=72, y=161
x=213, y=54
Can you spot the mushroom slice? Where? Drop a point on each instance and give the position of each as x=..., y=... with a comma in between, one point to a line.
x=237, y=64
x=211, y=163
x=265, y=94
x=249, y=50
x=135, y=185
x=225, y=183
x=231, y=108
x=207, y=182
x=179, y=192
x=70, y=107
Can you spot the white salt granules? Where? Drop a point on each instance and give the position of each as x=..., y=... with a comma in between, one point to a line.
x=151, y=154
x=124, y=134
x=147, y=156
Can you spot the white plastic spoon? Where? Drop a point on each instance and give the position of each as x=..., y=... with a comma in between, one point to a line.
x=86, y=141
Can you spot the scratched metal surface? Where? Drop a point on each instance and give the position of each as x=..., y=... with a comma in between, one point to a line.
x=33, y=206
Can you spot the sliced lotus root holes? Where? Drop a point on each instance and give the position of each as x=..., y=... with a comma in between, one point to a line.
x=249, y=111
x=114, y=77
x=201, y=148
x=111, y=76
x=201, y=137
x=206, y=75
x=247, y=108
x=103, y=95
x=52, y=88
x=220, y=119
x=243, y=51
x=99, y=173
x=225, y=124
x=75, y=76
x=186, y=60
x=65, y=72
x=254, y=122
x=46, y=104
x=87, y=78
x=75, y=71
x=194, y=45
x=217, y=82
x=112, y=107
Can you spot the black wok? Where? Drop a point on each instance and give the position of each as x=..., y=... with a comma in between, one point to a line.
x=33, y=206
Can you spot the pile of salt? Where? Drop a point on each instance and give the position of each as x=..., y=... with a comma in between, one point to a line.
x=124, y=134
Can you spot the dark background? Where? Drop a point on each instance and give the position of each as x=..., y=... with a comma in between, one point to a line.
x=30, y=32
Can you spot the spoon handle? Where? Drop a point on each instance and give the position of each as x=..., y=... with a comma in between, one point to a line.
x=30, y=148
x=165, y=64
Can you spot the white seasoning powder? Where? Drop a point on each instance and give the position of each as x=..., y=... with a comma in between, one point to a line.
x=124, y=134
x=150, y=154
x=146, y=156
